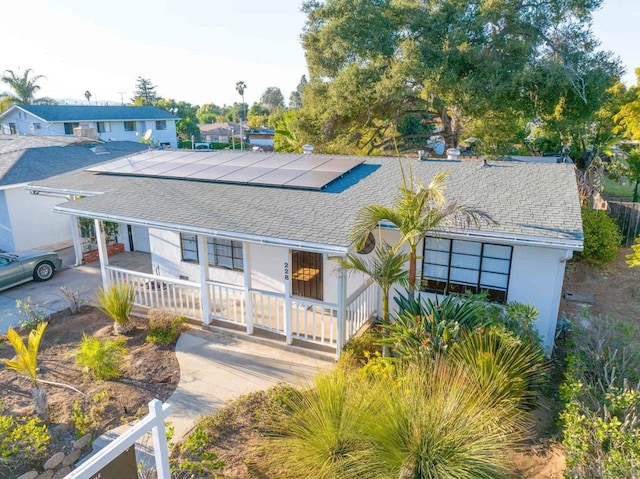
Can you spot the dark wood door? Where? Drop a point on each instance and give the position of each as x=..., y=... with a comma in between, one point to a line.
x=306, y=274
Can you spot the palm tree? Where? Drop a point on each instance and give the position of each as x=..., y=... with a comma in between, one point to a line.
x=385, y=268
x=24, y=87
x=417, y=211
x=241, y=86
x=87, y=95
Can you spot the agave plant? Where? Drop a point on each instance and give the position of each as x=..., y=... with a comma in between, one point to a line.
x=117, y=302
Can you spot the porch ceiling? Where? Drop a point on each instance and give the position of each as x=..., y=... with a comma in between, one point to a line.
x=530, y=201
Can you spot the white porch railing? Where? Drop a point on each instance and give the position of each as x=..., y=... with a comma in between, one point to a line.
x=175, y=295
x=362, y=306
x=314, y=321
x=268, y=310
x=227, y=302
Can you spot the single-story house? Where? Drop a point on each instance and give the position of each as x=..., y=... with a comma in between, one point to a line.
x=108, y=123
x=27, y=221
x=251, y=238
x=221, y=132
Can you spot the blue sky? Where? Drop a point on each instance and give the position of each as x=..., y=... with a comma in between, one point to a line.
x=195, y=50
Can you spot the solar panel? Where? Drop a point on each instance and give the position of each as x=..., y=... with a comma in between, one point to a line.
x=288, y=170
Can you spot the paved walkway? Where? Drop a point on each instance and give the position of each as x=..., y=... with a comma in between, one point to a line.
x=216, y=367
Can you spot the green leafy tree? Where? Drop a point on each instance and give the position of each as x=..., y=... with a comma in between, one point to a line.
x=416, y=212
x=628, y=117
x=208, y=113
x=272, y=99
x=295, y=98
x=633, y=259
x=145, y=92
x=373, y=63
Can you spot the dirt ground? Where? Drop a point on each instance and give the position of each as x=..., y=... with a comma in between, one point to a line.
x=150, y=372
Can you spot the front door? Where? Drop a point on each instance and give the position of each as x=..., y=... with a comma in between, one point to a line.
x=306, y=274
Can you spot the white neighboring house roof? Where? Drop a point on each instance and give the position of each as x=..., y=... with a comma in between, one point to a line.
x=535, y=204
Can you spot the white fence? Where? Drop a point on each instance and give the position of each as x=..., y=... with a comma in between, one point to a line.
x=227, y=302
x=175, y=295
x=153, y=422
x=362, y=306
x=268, y=311
x=314, y=321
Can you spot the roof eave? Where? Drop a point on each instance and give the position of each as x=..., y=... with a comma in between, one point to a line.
x=182, y=228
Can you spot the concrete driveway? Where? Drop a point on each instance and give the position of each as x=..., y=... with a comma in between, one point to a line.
x=48, y=295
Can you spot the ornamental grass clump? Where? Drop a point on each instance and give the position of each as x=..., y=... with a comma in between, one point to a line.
x=117, y=303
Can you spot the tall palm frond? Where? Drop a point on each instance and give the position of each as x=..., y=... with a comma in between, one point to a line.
x=26, y=360
x=385, y=268
x=24, y=86
x=416, y=212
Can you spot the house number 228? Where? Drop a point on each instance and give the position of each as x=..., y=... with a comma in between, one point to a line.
x=286, y=271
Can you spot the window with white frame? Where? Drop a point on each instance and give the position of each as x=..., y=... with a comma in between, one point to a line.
x=161, y=124
x=220, y=252
x=456, y=266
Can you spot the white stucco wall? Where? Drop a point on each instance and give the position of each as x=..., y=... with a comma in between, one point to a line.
x=25, y=124
x=536, y=278
x=33, y=222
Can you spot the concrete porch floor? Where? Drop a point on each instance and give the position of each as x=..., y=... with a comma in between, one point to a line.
x=132, y=260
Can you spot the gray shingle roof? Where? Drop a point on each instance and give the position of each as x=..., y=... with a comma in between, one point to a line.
x=31, y=158
x=531, y=202
x=75, y=113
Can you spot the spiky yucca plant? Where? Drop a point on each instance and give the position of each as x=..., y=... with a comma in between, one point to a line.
x=117, y=302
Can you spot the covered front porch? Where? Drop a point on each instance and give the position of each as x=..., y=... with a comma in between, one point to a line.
x=303, y=321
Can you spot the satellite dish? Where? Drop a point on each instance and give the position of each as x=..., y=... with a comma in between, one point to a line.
x=438, y=148
x=147, y=134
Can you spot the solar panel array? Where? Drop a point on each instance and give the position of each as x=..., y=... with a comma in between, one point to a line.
x=253, y=168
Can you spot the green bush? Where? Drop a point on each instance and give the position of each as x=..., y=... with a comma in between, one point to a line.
x=101, y=358
x=164, y=327
x=601, y=400
x=602, y=237
x=22, y=439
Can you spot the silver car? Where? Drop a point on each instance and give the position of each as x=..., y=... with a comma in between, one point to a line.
x=18, y=268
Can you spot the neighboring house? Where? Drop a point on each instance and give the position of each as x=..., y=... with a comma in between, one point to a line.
x=223, y=132
x=262, y=138
x=26, y=221
x=264, y=255
x=108, y=123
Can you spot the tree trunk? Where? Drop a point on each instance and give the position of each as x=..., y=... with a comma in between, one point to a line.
x=39, y=396
x=635, y=192
x=122, y=328
x=412, y=273
x=386, y=351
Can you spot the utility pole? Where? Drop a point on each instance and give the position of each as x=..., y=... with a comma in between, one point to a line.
x=121, y=97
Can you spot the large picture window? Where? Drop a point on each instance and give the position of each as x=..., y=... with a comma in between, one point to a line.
x=221, y=253
x=456, y=266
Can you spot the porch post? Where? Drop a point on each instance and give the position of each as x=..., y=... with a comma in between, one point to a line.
x=248, y=302
x=287, y=299
x=102, y=252
x=342, y=314
x=76, y=238
x=203, y=259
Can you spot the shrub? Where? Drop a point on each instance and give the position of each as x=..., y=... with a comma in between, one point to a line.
x=513, y=371
x=601, y=397
x=22, y=439
x=85, y=423
x=31, y=314
x=602, y=237
x=164, y=327
x=117, y=302
x=74, y=298
x=101, y=358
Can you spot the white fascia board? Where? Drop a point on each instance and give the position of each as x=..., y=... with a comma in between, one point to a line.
x=249, y=238
x=111, y=120
x=18, y=107
x=36, y=190
x=505, y=238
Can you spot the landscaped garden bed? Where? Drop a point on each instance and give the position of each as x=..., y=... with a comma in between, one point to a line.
x=148, y=371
